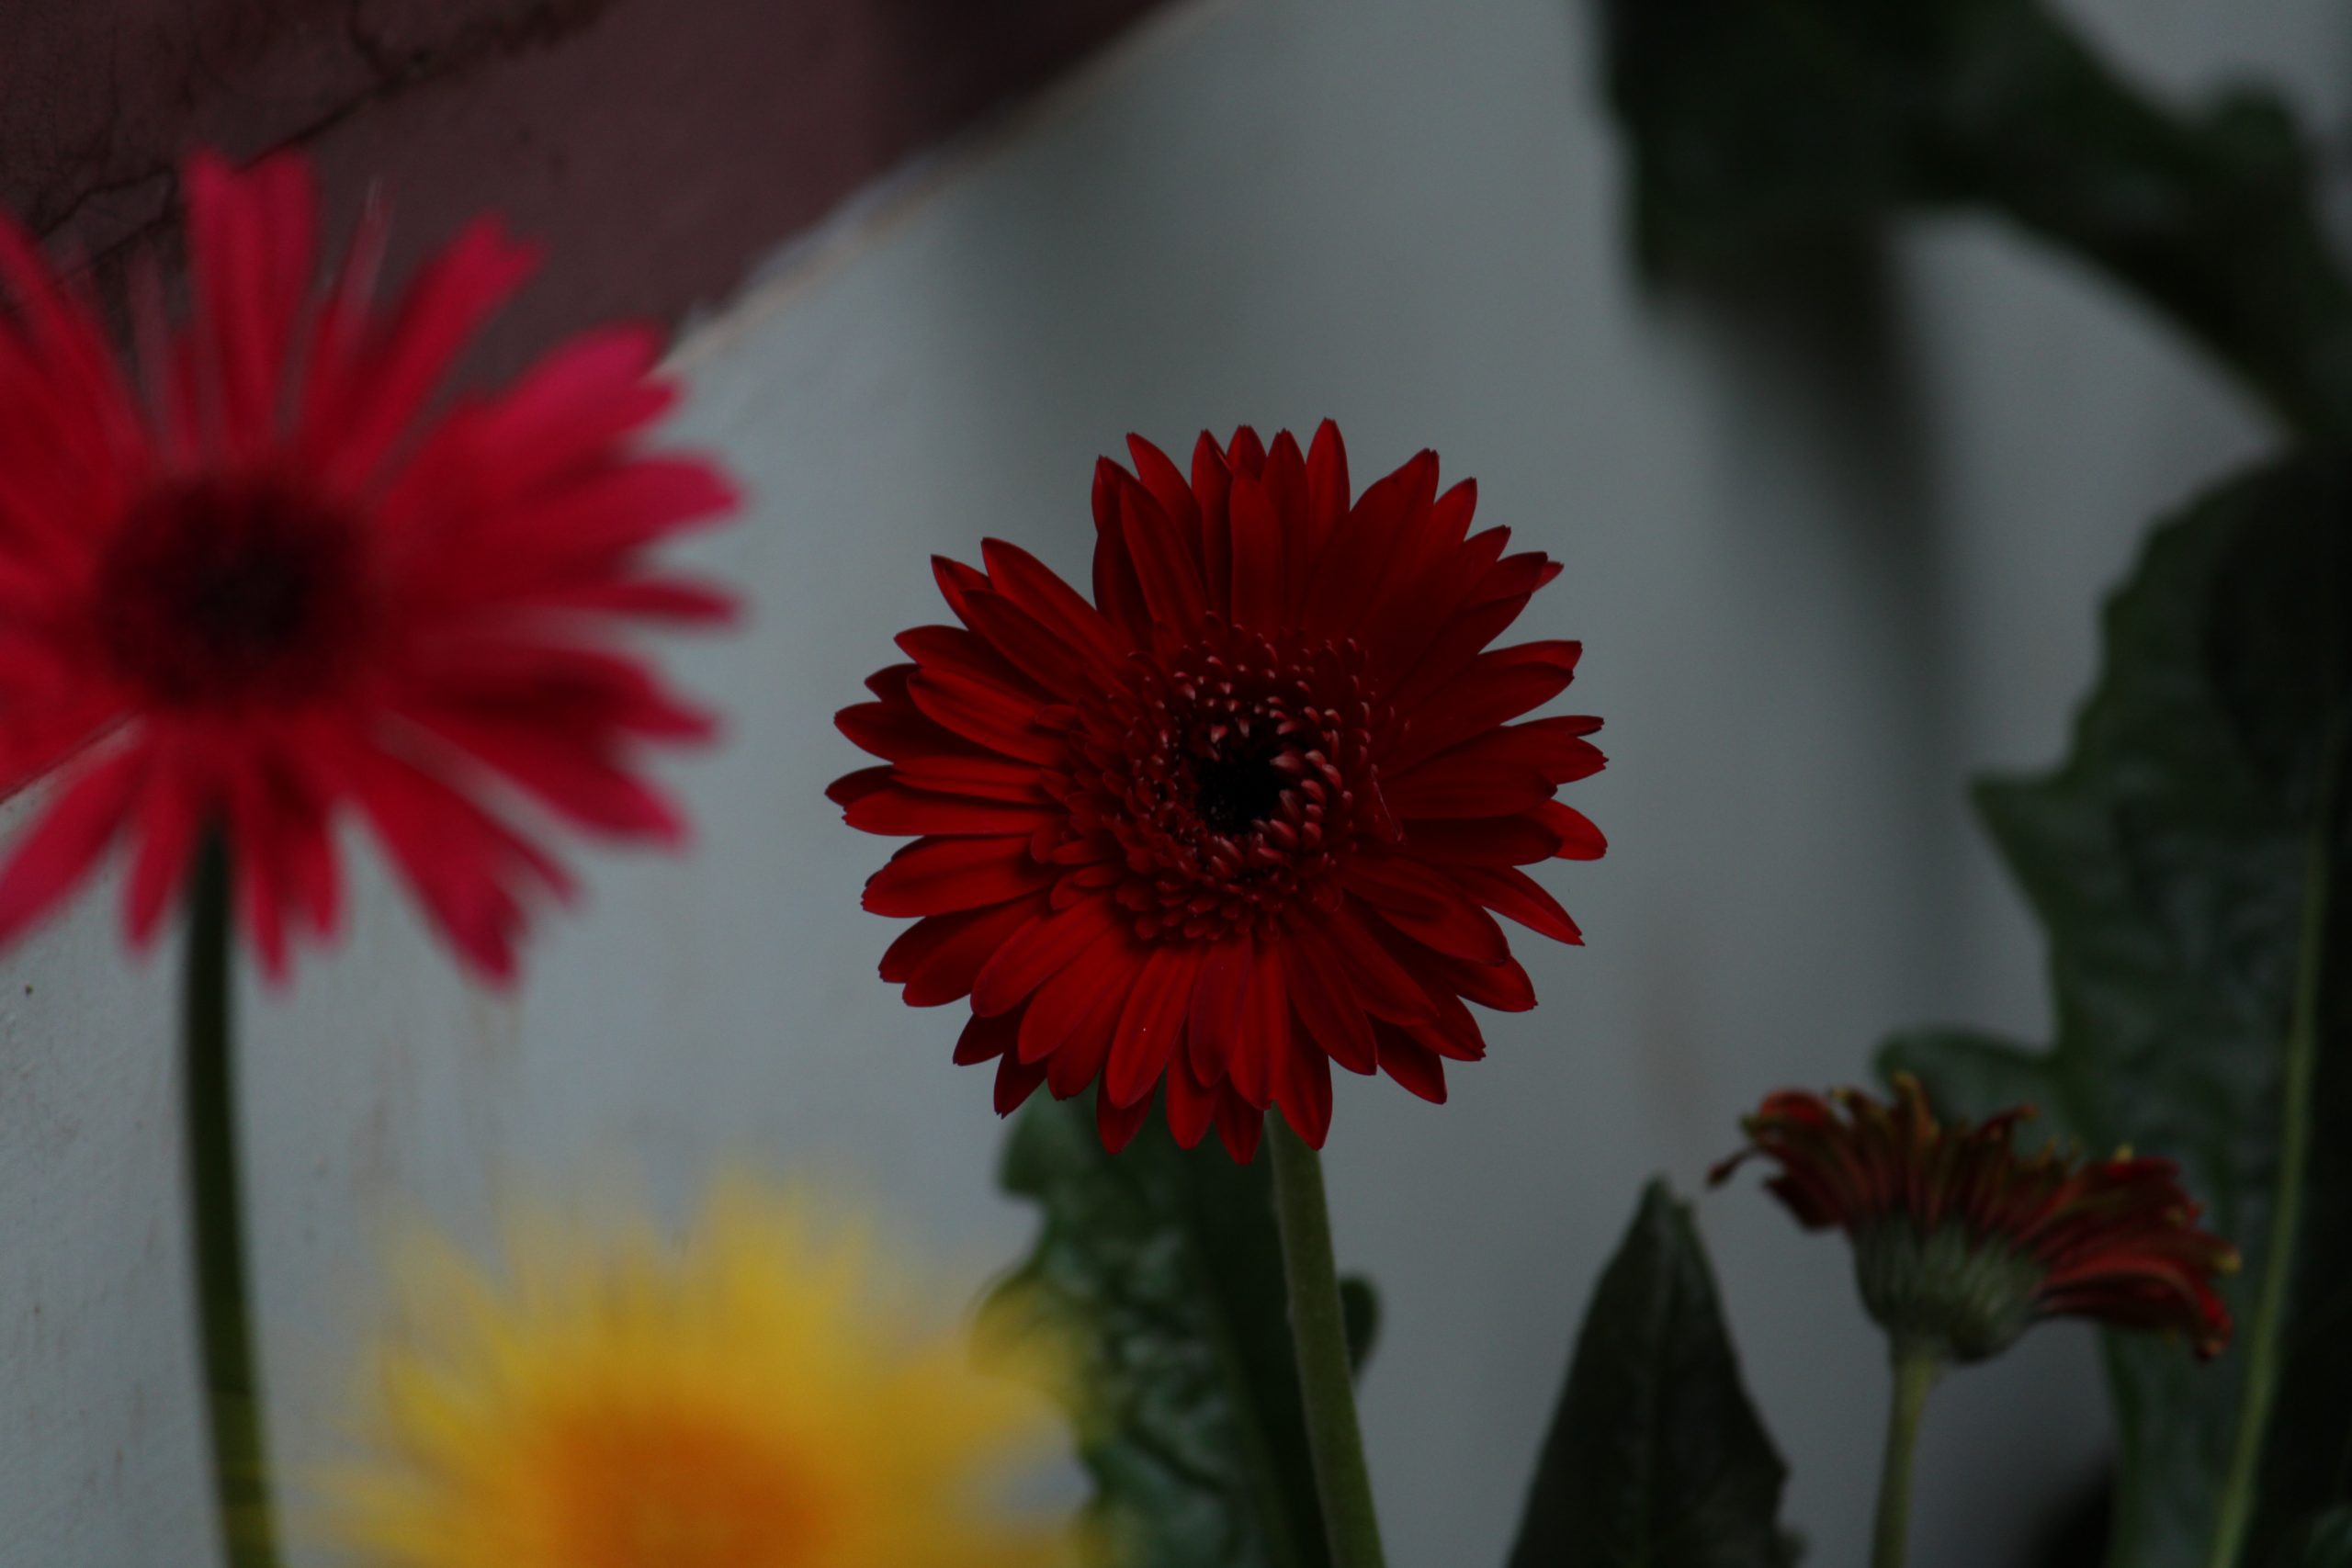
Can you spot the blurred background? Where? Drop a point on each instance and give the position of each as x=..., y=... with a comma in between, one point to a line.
x=928, y=260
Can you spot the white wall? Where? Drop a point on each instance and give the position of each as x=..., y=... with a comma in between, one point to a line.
x=1808, y=614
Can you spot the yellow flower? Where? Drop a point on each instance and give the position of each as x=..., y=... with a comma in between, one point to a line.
x=764, y=1397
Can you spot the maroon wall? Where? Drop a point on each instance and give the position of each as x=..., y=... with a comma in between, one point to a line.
x=659, y=146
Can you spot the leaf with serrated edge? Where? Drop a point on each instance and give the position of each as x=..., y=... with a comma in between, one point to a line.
x=1162, y=1268
x=2172, y=860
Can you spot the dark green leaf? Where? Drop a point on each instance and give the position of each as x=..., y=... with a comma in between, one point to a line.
x=1655, y=1458
x=1359, y=1304
x=2169, y=859
x=1762, y=127
x=1164, y=1270
x=2326, y=1542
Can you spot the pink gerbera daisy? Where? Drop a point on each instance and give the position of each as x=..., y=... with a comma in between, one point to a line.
x=277, y=582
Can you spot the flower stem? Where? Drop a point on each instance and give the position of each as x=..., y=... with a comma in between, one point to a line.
x=224, y=1315
x=1318, y=1332
x=1916, y=1371
x=2259, y=1389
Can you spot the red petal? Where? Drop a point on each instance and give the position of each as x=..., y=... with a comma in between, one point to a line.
x=1116, y=593
x=1513, y=893
x=467, y=867
x=1497, y=686
x=1317, y=982
x=1152, y=1026
x=1266, y=1035
x=1303, y=1090
x=1258, y=589
x=1245, y=453
x=1220, y=1004
x=62, y=844
x=1105, y=970
x=1239, y=1123
x=1470, y=788
x=937, y=876
x=1428, y=907
x=1411, y=1064
x=1362, y=557
x=1039, y=951
x=1191, y=1106
x=1580, y=840
x=982, y=777
x=984, y=713
x=1118, y=1124
x=894, y=809
x=1054, y=603
x=1169, y=576
x=1503, y=986
x=897, y=730
x=1374, y=973
x=936, y=959
x=170, y=815
x=1327, y=481
x=966, y=656
x=1015, y=1081
x=1490, y=840
x=984, y=1040
x=1030, y=646
x=1078, y=1061
x=400, y=366
x=1166, y=484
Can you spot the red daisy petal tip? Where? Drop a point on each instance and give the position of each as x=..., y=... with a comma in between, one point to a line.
x=271, y=583
x=1247, y=807
x=1961, y=1243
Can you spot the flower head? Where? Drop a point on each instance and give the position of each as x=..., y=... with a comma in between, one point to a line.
x=279, y=582
x=1960, y=1243
x=1244, y=814
x=765, y=1397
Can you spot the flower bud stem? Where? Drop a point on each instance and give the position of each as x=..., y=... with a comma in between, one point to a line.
x=1916, y=1371
x=1318, y=1333
x=224, y=1316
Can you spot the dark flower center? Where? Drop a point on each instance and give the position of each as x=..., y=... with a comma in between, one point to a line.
x=223, y=592
x=1231, y=780
x=1234, y=793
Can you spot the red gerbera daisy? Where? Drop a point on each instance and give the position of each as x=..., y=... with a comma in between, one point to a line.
x=271, y=586
x=1960, y=1243
x=1245, y=814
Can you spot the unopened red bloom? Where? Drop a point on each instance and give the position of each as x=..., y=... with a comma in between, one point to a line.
x=1961, y=1243
x=1242, y=815
x=275, y=582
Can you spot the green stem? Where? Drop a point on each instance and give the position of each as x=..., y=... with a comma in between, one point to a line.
x=1916, y=1371
x=225, y=1313
x=2259, y=1391
x=1318, y=1331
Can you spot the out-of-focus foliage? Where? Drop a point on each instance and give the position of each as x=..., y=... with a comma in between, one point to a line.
x=1759, y=128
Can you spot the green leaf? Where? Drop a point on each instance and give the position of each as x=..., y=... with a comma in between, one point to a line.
x=2326, y=1542
x=1359, y=1307
x=2190, y=861
x=1162, y=1268
x=1655, y=1458
x=2323, y=1543
x=1763, y=128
